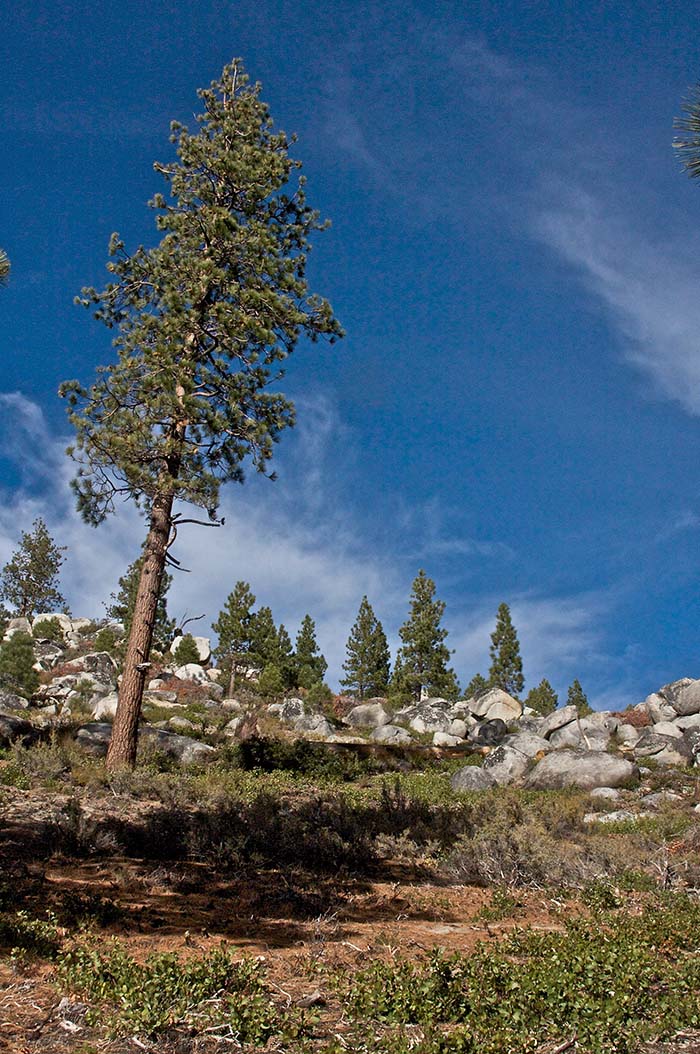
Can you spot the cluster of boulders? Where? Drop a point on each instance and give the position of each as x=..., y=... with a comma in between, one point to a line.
x=598, y=750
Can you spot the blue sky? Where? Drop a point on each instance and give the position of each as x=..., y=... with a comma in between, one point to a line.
x=515, y=258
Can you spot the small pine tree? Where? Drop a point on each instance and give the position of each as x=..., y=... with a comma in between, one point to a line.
x=542, y=699
x=476, y=687
x=421, y=664
x=29, y=581
x=367, y=662
x=234, y=627
x=185, y=650
x=124, y=601
x=506, y=664
x=16, y=665
x=578, y=698
x=310, y=663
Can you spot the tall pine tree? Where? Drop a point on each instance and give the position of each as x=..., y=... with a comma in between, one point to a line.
x=506, y=664
x=367, y=662
x=203, y=321
x=421, y=664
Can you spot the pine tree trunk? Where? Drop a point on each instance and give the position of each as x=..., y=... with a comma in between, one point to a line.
x=122, y=748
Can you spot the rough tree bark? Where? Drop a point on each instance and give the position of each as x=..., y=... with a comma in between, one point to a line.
x=122, y=747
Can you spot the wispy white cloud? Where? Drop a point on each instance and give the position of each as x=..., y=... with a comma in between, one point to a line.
x=299, y=547
x=649, y=289
x=557, y=635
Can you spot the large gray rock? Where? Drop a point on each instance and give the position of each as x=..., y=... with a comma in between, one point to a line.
x=192, y=671
x=99, y=665
x=313, y=724
x=628, y=734
x=94, y=737
x=683, y=695
x=528, y=744
x=691, y=721
x=203, y=645
x=497, y=704
x=391, y=734
x=668, y=728
x=557, y=719
x=490, y=733
x=367, y=715
x=589, y=733
x=429, y=715
x=580, y=768
x=471, y=778
x=63, y=620
x=288, y=710
x=664, y=750
x=15, y=729
x=105, y=706
x=691, y=738
x=657, y=707
x=506, y=765
x=184, y=749
x=443, y=739
x=17, y=625
x=12, y=701
x=47, y=654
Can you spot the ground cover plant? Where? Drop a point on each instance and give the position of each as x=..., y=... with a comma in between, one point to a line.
x=286, y=897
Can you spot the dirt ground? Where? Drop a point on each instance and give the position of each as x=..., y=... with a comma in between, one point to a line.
x=295, y=923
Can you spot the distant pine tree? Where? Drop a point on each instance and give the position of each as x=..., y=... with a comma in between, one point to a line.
x=421, y=664
x=310, y=663
x=506, y=664
x=578, y=698
x=29, y=580
x=542, y=699
x=367, y=662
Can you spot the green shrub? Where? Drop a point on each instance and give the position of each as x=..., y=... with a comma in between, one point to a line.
x=16, y=665
x=609, y=984
x=184, y=650
x=109, y=641
x=48, y=629
x=319, y=694
x=167, y=991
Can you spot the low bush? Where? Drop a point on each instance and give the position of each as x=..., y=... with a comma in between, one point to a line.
x=607, y=982
x=166, y=991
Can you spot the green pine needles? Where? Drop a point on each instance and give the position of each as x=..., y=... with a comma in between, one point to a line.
x=202, y=321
